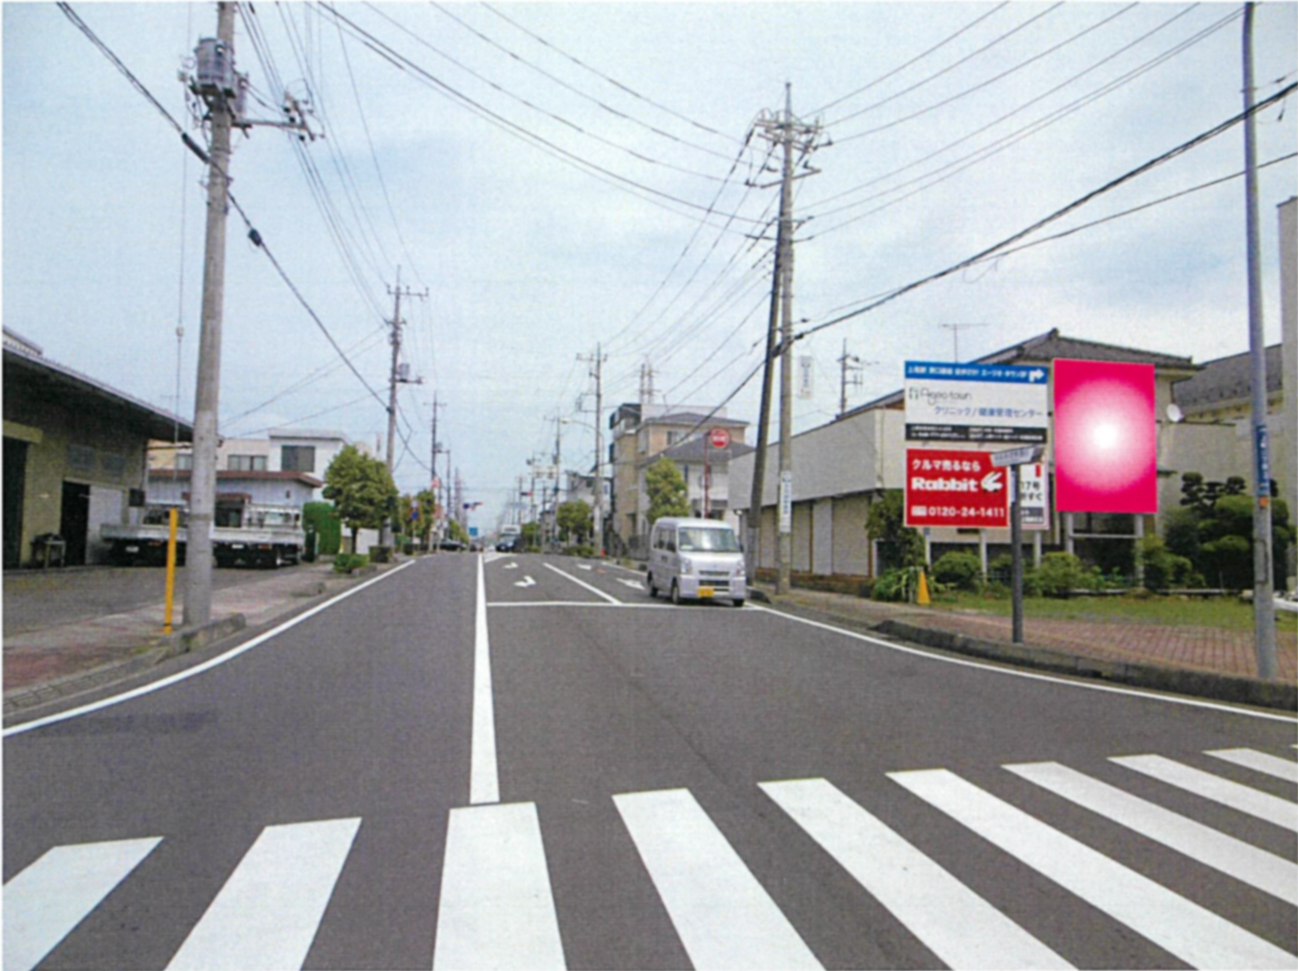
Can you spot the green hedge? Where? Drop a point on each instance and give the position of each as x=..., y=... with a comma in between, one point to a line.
x=321, y=518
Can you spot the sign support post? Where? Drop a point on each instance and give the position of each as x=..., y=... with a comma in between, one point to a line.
x=1012, y=459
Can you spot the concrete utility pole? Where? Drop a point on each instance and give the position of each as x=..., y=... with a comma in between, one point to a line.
x=219, y=94
x=782, y=129
x=853, y=365
x=1264, y=645
x=597, y=371
x=396, y=377
x=434, y=537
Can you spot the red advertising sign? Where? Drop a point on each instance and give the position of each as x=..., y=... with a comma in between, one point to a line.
x=1105, y=451
x=945, y=487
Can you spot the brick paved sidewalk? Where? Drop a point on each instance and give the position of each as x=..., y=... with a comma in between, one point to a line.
x=1228, y=652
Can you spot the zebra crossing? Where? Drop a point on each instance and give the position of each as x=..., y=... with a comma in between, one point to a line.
x=497, y=907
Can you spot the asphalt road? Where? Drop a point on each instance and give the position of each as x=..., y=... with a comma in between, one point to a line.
x=565, y=772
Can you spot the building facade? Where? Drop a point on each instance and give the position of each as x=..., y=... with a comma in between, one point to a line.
x=75, y=457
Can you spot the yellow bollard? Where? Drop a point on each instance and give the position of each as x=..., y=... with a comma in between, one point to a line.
x=173, y=518
x=922, y=597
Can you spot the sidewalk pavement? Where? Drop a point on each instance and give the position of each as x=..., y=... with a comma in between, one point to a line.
x=62, y=660
x=1200, y=661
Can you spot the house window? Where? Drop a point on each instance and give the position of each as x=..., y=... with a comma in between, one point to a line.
x=246, y=463
x=113, y=464
x=297, y=458
x=185, y=461
x=81, y=458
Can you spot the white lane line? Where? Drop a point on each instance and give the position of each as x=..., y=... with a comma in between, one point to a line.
x=1259, y=762
x=198, y=669
x=44, y=902
x=1267, y=872
x=496, y=908
x=583, y=583
x=484, y=777
x=268, y=912
x=723, y=916
x=1028, y=675
x=581, y=603
x=957, y=925
x=1180, y=926
x=1263, y=805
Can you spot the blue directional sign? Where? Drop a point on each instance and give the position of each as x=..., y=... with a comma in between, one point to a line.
x=948, y=402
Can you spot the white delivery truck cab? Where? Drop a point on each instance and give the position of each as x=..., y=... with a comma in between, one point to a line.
x=696, y=559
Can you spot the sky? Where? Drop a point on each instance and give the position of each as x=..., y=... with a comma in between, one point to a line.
x=546, y=179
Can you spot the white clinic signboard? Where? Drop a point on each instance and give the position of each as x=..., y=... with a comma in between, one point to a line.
x=976, y=402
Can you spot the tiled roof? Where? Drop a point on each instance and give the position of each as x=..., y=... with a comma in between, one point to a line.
x=1227, y=379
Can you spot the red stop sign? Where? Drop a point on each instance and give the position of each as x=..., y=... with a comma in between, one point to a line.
x=719, y=437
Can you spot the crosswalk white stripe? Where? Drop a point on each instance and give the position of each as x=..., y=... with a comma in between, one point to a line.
x=267, y=914
x=1180, y=926
x=1259, y=762
x=44, y=902
x=1269, y=873
x=723, y=916
x=1263, y=805
x=496, y=908
x=957, y=925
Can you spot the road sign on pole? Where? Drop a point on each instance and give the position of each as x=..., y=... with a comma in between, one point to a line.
x=719, y=437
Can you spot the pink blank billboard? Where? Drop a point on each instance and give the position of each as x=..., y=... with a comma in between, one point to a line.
x=1105, y=446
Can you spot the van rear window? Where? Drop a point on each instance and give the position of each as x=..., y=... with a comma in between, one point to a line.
x=703, y=539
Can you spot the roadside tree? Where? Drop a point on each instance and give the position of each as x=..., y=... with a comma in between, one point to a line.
x=666, y=489
x=361, y=489
x=575, y=520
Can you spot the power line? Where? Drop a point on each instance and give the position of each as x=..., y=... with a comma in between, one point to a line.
x=949, y=68
x=990, y=81
x=914, y=60
x=582, y=164
x=1058, y=214
x=613, y=81
x=1176, y=49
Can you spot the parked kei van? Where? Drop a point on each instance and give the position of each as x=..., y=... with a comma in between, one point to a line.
x=696, y=559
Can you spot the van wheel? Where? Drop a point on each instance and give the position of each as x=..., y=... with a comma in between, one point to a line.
x=676, y=594
x=653, y=591
x=737, y=603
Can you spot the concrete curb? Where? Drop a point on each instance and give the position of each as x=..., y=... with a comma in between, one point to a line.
x=1276, y=695
x=149, y=654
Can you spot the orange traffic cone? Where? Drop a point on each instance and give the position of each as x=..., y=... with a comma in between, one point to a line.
x=922, y=597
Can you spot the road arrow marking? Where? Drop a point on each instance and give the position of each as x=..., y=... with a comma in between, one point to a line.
x=526, y=582
x=633, y=584
x=510, y=566
x=584, y=566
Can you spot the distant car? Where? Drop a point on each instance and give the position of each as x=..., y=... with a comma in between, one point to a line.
x=507, y=545
x=451, y=545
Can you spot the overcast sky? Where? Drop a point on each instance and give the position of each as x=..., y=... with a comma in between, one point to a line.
x=559, y=176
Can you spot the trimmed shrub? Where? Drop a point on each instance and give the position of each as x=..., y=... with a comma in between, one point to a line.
x=1061, y=574
x=963, y=571
x=347, y=562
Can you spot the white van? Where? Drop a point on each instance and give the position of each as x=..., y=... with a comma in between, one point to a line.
x=696, y=559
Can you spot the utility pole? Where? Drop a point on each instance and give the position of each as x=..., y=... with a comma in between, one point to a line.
x=597, y=371
x=434, y=538
x=397, y=376
x=219, y=93
x=1264, y=645
x=784, y=130
x=853, y=365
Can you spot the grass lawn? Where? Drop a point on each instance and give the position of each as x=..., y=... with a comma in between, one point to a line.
x=1224, y=612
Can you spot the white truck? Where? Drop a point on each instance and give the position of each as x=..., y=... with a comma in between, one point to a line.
x=243, y=533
